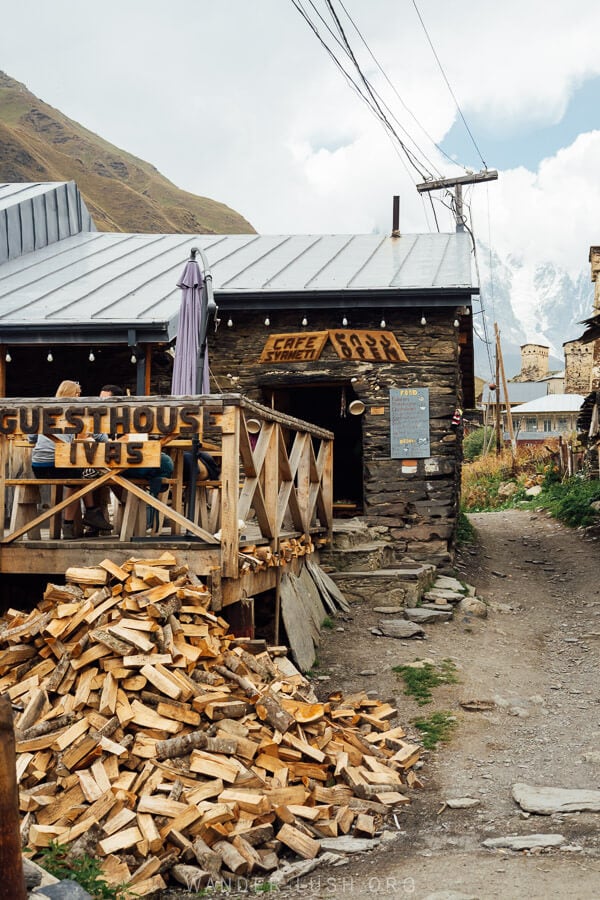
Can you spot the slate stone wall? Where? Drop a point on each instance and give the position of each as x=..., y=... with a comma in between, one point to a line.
x=416, y=512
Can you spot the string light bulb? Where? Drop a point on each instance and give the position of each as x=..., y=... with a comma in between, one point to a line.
x=8, y=357
x=304, y=321
x=267, y=321
x=344, y=321
x=456, y=323
x=91, y=357
x=133, y=358
x=382, y=324
x=423, y=320
x=50, y=358
x=230, y=323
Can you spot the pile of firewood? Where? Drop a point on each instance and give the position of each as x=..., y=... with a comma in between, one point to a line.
x=253, y=557
x=172, y=749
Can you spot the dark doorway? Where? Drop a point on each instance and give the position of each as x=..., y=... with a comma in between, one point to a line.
x=327, y=405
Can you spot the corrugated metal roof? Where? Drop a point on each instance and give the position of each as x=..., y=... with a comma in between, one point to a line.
x=102, y=284
x=553, y=403
x=35, y=215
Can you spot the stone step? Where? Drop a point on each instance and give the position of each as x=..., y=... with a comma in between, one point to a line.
x=423, y=616
x=349, y=533
x=362, y=557
x=386, y=586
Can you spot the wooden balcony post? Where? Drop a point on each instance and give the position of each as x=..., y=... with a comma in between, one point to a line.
x=230, y=489
x=12, y=883
x=271, y=483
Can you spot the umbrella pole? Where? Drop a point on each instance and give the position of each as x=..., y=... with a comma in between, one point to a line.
x=207, y=306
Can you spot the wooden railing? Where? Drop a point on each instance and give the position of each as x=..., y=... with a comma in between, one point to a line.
x=278, y=474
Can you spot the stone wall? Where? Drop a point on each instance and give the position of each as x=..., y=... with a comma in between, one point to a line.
x=416, y=512
x=578, y=367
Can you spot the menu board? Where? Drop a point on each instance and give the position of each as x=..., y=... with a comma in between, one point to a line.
x=409, y=423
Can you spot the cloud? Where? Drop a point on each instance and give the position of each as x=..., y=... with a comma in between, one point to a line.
x=551, y=214
x=237, y=101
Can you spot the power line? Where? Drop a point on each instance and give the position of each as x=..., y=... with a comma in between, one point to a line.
x=448, y=84
x=394, y=89
x=362, y=87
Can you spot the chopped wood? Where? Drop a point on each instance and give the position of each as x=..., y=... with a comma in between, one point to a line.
x=166, y=741
x=97, y=575
x=300, y=843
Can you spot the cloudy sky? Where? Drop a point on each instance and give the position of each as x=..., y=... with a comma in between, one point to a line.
x=237, y=100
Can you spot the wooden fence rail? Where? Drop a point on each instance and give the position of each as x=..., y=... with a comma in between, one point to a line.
x=278, y=472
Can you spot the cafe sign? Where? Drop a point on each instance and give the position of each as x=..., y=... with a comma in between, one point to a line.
x=303, y=346
x=371, y=346
x=348, y=343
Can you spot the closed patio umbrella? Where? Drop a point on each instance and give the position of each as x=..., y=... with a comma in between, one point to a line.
x=190, y=365
x=187, y=347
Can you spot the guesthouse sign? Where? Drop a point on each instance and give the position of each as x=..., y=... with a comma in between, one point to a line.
x=84, y=416
x=128, y=423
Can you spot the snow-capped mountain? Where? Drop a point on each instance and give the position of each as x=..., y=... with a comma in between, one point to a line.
x=541, y=304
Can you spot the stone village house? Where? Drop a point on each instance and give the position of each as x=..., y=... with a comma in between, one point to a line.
x=369, y=336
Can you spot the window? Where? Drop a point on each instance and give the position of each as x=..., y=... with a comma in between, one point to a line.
x=531, y=423
x=562, y=423
x=547, y=425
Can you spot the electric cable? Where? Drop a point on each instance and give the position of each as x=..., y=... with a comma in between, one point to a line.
x=365, y=92
x=448, y=84
x=396, y=92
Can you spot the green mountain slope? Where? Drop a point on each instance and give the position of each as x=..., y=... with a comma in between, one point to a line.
x=122, y=192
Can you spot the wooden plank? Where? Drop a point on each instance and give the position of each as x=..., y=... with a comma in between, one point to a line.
x=122, y=840
x=297, y=625
x=300, y=843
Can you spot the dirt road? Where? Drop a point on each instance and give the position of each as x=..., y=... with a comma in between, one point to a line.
x=536, y=657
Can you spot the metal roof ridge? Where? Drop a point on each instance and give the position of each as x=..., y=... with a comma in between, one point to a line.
x=329, y=261
x=283, y=239
x=415, y=239
x=159, y=237
x=367, y=260
x=71, y=282
x=87, y=235
x=296, y=257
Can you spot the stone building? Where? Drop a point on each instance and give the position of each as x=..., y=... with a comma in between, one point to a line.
x=534, y=363
x=578, y=367
x=369, y=336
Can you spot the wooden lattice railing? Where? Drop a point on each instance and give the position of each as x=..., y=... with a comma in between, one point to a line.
x=278, y=473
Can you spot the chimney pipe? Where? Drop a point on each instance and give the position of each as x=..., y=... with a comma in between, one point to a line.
x=396, y=217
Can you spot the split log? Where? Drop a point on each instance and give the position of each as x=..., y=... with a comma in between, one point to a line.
x=269, y=710
x=195, y=740
x=232, y=858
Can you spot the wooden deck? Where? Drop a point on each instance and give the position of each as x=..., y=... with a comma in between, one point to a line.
x=274, y=491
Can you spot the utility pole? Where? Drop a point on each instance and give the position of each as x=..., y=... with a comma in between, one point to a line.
x=457, y=183
x=500, y=366
x=498, y=417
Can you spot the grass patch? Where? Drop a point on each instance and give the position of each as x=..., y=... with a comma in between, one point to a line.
x=570, y=500
x=85, y=870
x=419, y=681
x=327, y=623
x=438, y=727
x=465, y=532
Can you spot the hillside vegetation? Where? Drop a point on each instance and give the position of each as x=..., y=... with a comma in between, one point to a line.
x=530, y=480
x=122, y=192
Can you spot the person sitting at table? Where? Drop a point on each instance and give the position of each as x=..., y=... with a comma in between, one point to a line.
x=43, y=466
x=154, y=474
